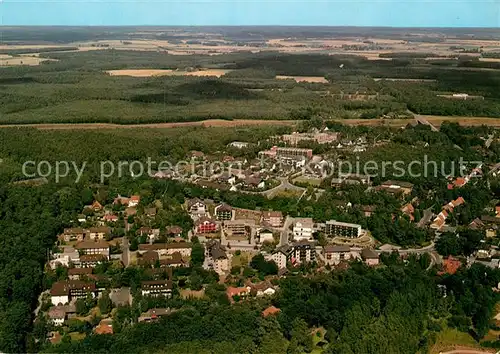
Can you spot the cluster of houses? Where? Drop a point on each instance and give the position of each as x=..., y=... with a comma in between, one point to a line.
x=223, y=230
x=439, y=222
x=306, y=252
x=210, y=221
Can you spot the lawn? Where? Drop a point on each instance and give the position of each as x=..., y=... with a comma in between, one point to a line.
x=315, y=182
x=241, y=260
x=451, y=338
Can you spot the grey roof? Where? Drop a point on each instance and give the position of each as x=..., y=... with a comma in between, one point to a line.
x=216, y=250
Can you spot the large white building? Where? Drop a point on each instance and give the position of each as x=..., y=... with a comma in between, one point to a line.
x=303, y=229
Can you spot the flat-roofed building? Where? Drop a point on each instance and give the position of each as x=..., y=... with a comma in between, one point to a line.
x=303, y=229
x=335, y=228
x=157, y=288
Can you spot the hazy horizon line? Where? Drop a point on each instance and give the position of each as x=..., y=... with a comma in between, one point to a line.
x=246, y=25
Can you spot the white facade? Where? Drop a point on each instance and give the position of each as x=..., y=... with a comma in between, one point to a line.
x=64, y=261
x=303, y=230
x=57, y=321
x=238, y=144
x=266, y=236
x=280, y=259
x=266, y=292
x=62, y=299
x=222, y=265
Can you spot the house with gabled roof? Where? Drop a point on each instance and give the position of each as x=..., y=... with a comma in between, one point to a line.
x=370, y=257
x=205, y=225
x=409, y=211
x=196, y=208
x=63, y=292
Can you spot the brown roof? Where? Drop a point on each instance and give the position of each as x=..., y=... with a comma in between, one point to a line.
x=263, y=285
x=131, y=211
x=335, y=249
x=79, y=284
x=174, y=230
x=152, y=247
x=79, y=271
x=92, y=257
x=175, y=258
x=61, y=288
x=216, y=250
x=368, y=208
x=194, y=201
x=272, y=214
x=367, y=253
x=224, y=207
x=150, y=257
x=75, y=230
x=92, y=244
x=177, y=245
x=57, y=312
x=144, y=230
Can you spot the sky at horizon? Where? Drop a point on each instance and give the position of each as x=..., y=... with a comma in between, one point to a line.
x=394, y=13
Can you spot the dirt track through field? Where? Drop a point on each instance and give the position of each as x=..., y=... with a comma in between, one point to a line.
x=435, y=120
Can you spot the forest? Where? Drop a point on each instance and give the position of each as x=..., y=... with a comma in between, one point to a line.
x=76, y=88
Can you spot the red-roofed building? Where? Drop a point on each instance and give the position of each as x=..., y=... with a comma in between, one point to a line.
x=110, y=218
x=104, y=327
x=450, y=266
x=241, y=292
x=457, y=202
x=408, y=210
x=134, y=201
x=271, y=310
x=96, y=206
